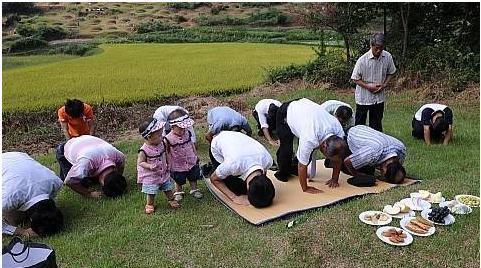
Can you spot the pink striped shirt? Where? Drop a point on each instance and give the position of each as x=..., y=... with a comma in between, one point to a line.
x=154, y=155
x=183, y=155
x=90, y=156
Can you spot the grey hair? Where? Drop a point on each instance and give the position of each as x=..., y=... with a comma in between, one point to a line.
x=377, y=39
x=336, y=146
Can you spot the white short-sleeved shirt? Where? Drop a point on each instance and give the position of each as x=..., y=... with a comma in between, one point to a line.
x=238, y=155
x=25, y=182
x=331, y=107
x=372, y=71
x=435, y=106
x=262, y=108
x=370, y=147
x=89, y=156
x=312, y=125
x=163, y=112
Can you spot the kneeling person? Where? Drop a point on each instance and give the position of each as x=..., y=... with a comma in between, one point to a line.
x=342, y=111
x=90, y=158
x=373, y=149
x=433, y=121
x=265, y=115
x=241, y=175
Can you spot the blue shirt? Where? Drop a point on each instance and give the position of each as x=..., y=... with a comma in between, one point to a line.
x=224, y=118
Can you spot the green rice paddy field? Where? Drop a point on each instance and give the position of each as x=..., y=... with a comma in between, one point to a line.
x=135, y=72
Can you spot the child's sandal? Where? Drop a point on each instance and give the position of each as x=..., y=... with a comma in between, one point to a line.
x=196, y=193
x=149, y=209
x=178, y=196
x=174, y=204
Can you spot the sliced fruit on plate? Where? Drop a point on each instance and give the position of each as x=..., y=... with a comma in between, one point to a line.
x=392, y=210
x=402, y=207
x=424, y=194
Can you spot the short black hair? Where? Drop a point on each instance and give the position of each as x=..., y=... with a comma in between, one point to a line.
x=261, y=191
x=176, y=114
x=392, y=170
x=114, y=184
x=344, y=113
x=439, y=126
x=46, y=218
x=74, y=108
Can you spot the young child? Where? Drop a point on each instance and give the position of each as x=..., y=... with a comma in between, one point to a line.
x=152, y=168
x=182, y=156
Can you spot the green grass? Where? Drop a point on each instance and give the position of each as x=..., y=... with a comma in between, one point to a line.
x=13, y=62
x=116, y=233
x=118, y=74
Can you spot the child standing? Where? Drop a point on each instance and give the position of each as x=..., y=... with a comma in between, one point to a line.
x=182, y=155
x=152, y=168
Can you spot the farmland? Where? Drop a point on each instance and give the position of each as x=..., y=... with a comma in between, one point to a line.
x=134, y=72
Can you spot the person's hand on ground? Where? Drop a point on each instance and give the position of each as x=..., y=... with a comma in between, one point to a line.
x=274, y=143
x=312, y=190
x=96, y=194
x=31, y=233
x=241, y=200
x=332, y=183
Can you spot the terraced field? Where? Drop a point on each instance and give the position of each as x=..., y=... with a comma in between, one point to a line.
x=128, y=73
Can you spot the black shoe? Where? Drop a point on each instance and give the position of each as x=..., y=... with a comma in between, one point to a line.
x=274, y=167
x=281, y=177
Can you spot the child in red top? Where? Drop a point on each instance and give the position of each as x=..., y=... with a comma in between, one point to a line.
x=76, y=119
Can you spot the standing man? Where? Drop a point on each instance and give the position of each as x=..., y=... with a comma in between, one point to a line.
x=372, y=149
x=372, y=74
x=316, y=129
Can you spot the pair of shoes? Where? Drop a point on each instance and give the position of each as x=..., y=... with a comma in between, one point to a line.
x=196, y=193
x=174, y=204
x=149, y=209
x=281, y=177
x=178, y=196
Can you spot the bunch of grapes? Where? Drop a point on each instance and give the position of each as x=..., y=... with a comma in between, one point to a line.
x=438, y=214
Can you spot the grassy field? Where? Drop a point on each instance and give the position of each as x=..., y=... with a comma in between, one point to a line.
x=116, y=233
x=118, y=74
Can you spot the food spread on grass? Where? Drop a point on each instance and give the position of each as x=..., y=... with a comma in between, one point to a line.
x=419, y=225
x=456, y=207
x=397, y=208
x=376, y=217
x=438, y=214
x=469, y=200
x=430, y=197
x=395, y=236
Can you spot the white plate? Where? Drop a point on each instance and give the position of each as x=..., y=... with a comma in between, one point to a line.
x=461, y=195
x=423, y=204
x=445, y=204
x=416, y=194
x=405, y=221
x=448, y=220
x=361, y=217
x=408, y=240
x=400, y=215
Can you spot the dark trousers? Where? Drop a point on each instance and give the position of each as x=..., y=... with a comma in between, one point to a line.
x=418, y=129
x=375, y=115
x=270, y=122
x=286, y=163
x=64, y=164
x=236, y=185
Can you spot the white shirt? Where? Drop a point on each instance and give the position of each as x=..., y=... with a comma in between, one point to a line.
x=25, y=182
x=262, y=109
x=435, y=106
x=372, y=71
x=163, y=112
x=331, y=107
x=312, y=125
x=238, y=155
x=89, y=156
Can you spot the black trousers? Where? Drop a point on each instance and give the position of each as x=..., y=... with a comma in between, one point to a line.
x=286, y=162
x=64, y=164
x=418, y=131
x=270, y=122
x=375, y=111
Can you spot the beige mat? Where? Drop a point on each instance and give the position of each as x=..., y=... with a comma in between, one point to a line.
x=290, y=198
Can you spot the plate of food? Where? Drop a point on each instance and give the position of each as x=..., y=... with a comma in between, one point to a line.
x=399, y=210
x=440, y=216
x=468, y=200
x=375, y=218
x=456, y=208
x=428, y=196
x=416, y=203
x=394, y=236
x=418, y=226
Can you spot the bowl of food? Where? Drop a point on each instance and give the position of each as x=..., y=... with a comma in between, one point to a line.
x=468, y=200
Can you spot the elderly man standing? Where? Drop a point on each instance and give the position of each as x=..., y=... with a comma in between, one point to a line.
x=372, y=74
